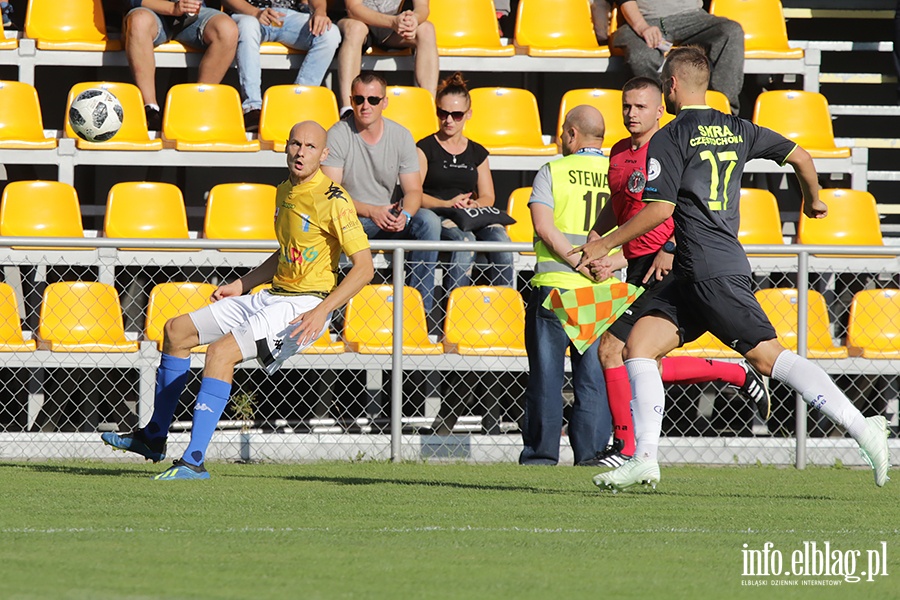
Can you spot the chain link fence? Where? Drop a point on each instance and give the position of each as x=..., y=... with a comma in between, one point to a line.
x=450, y=387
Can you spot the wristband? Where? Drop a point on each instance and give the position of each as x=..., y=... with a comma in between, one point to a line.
x=408, y=216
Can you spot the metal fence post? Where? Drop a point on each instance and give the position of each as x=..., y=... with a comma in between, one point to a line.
x=397, y=355
x=802, y=347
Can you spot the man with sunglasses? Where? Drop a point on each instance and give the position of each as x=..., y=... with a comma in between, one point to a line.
x=382, y=24
x=368, y=156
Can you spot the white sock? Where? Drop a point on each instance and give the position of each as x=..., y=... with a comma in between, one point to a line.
x=819, y=391
x=153, y=106
x=647, y=405
x=344, y=110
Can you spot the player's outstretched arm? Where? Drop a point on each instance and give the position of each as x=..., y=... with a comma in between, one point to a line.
x=261, y=274
x=805, y=170
x=310, y=323
x=648, y=218
x=606, y=220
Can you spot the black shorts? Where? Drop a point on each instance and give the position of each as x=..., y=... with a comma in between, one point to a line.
x=724, y=306
x=637, y=268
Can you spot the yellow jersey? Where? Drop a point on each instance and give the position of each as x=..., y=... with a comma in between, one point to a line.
x=314, y=222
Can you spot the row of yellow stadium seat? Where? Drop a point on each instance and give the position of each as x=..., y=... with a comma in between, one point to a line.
x=481, y=321
x=87, y=317
x=505, y=120
x=852, y=219
x=141, y=209
x=554, y=28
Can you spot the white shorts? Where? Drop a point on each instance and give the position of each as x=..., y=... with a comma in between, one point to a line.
x=260, y=324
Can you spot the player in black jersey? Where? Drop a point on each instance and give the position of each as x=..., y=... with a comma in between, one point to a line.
x=694, y=168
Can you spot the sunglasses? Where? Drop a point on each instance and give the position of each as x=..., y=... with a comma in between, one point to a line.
x=456, y=114
x=373, y=100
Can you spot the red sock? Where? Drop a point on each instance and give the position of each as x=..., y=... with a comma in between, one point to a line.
x=689, y=369
x=618, y=390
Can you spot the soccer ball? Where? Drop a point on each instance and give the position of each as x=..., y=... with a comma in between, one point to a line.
x=96, y=115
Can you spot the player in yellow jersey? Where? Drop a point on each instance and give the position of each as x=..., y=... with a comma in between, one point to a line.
x=315, y=220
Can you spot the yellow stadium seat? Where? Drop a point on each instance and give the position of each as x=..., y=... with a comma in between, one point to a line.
x=40, y=209
x=608, y=102
x=206, y=117
x=413, y=108
x=467, y=28
x=760, y=219
x=11, y=338
x=780, y=305
x=21, y=125
x=278, y=49
x=517, y=207
x=240, y=211
x=874, y=327
x=485, y=321
x=802, y=117
x=143, y=209
x=171, y=299
x=80, y=316
x=175, y=47
x=506, y=121
x=133, y=135
x=765, y=32
x=285, y=105
x=69, y=25
x=718, y=101
x=705, y=346
x=557, y=28
x=325, y=345
x=8, y=43
x=368, y=328
x=852, y=221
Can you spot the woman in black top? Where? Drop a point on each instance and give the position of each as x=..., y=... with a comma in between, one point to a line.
x=456, y=174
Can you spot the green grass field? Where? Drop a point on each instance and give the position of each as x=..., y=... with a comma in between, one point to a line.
x=380, y=530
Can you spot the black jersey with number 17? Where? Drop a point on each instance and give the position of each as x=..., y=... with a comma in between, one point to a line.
x=696, y=162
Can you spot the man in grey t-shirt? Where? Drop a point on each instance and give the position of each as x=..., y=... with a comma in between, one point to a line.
x=368, y=155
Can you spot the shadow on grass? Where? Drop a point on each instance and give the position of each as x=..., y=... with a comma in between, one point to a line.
x=77, y=470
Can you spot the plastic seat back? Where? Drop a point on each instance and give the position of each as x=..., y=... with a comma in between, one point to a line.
x=206, y=117
x=81, y=316
x=760, y=219
x=874, y=327
x=802, y=117
x=171, y=299
x=39, y=209
x=517, y=207
x=557, y=28
x=487, y=321
x=413, y=108
x=718, y=101
x=467, y=28
x=68, y=25
x=133, y=135
x=240, y=211
x=144, y=209
x=506, y=121
x=705, y=346
x=368, y=328
x=285, y=105
x=608, y=102
x=11, y=338
x=780, y=305
x=852, y=220
x=21, y=124
x=765, y=31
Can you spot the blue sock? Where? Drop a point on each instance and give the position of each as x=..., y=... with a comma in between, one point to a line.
x=171, y=378
x=211, y=402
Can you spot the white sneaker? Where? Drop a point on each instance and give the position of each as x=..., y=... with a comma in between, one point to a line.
x=873, y=447
x=635, y=471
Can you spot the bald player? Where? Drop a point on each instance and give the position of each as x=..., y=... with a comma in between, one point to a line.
x=566, y=196
x=315, y=220
x=694, y=168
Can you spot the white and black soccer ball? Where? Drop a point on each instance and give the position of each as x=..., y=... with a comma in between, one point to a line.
x=96, y=115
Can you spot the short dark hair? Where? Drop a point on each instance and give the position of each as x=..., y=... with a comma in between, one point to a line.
x=690, y=64
x=641, y=83
x=367, y=77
